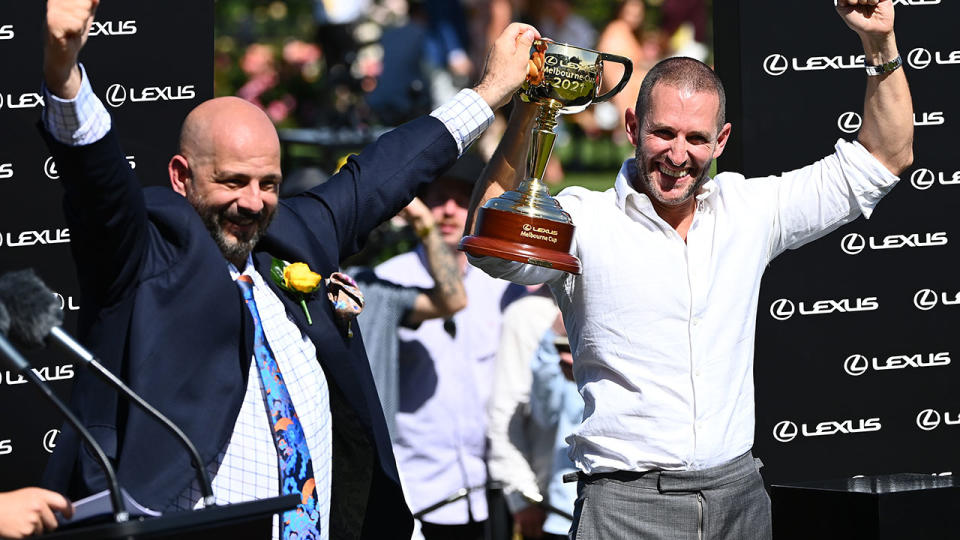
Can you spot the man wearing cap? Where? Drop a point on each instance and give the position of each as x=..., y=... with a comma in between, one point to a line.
x=446, y=369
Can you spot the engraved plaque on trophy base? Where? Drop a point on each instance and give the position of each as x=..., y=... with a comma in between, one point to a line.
x=522, y=238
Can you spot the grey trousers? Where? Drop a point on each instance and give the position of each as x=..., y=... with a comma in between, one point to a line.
x=726, y=502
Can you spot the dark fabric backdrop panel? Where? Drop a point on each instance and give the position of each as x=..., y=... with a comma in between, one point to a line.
x=858, y=356
x=153, y=59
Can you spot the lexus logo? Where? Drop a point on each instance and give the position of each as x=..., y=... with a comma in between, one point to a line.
x=775, y=64
x=50, y=440
x=928, y=419
x=849, y=122
x=527, y=227
x=925, y=299
x=116, y=95
x=919, y=58
x=782, y=309
x=853, y=244
x=785, y=431
x=50, y=168
x=923, y=179
x=1, y=101
x=856, y=365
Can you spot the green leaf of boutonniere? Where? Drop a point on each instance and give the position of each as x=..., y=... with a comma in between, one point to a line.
x=297, y=280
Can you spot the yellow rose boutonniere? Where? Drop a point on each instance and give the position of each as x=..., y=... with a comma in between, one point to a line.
x=297, y=279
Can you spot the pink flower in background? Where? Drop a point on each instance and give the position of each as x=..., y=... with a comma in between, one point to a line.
x=298, y=53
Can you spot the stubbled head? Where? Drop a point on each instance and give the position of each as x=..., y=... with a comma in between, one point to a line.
x=228, y=167
x=685, y=73
x=678, y=128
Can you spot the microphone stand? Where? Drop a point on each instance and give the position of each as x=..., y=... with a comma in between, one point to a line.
x=112, y=380
x=20, y=363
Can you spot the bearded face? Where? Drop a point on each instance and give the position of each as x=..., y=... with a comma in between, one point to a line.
x=674, y=185
x=676, y=143
x=235, y=229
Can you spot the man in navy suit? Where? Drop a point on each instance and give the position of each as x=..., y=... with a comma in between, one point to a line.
x=158, y=271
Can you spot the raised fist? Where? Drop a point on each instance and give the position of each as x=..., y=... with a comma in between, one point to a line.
x=867, y=17
x=68, y=26
x=507, y=64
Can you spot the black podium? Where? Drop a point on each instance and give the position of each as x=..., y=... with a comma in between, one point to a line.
x=887, y=507
x=243, y=521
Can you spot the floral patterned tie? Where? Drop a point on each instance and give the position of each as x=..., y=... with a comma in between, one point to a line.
x=296, y=466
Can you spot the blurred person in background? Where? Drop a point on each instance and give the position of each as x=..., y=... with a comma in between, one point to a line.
x=389, y=306
x=448, y=62
x=336, y=20
x=684, y=24
x=625, y=36
x=521, y=452
x=556, y=407
x=446, y=372
x=403, y=86
x=559, y=22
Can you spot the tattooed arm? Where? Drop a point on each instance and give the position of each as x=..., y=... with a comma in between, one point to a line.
x=447, y=295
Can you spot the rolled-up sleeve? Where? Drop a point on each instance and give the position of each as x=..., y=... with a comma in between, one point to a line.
x=816, y=199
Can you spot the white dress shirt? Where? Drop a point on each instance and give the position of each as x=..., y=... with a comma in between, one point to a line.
x=521, y=451
x=446, y=373
x=247, y=468
x=662, y=330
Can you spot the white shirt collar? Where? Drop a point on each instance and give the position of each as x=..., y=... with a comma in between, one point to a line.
x=248, y=269
x=625, y=191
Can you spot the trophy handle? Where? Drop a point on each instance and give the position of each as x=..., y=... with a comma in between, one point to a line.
x=627, y=71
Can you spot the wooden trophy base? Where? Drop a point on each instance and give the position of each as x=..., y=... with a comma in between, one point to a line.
x=521, y=238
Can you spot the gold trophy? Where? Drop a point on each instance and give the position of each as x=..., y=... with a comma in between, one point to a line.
x=528, y=225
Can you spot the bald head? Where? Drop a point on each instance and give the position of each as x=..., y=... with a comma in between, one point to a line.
x=226, y=121
x=228, y=168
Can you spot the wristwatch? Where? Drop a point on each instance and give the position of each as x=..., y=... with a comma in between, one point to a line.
x=887, y=67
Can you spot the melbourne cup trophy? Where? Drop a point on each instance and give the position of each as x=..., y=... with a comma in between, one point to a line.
x=528, y=225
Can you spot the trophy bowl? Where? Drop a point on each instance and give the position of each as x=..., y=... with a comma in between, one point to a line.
x=528, y=225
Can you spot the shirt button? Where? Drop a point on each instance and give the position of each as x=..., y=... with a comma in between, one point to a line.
x=697, y=373
x=696, y=321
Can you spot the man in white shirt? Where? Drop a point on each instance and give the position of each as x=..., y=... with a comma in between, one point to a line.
x=662, y=319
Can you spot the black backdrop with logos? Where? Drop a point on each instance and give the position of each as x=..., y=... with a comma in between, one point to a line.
x=154, y=60
x=856, y=364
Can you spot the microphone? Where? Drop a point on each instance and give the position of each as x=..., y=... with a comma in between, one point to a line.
x=19, y=363
x=35, y=315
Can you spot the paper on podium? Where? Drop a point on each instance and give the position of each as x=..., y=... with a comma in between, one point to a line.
x=97, y=507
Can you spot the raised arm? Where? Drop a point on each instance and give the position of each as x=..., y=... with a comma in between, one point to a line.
x=68, y=26
x=448, y=295
x=509, y=162
x=887, y=131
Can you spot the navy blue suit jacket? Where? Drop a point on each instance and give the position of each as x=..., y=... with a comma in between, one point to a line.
x=160, y=310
